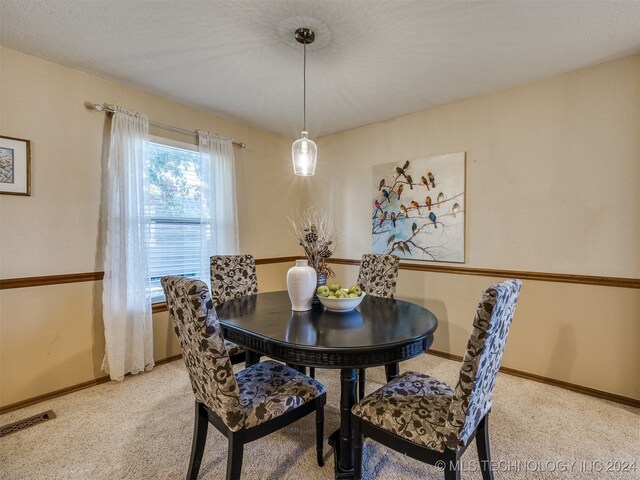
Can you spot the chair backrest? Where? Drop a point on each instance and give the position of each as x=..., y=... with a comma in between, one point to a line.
x=232, y=276
x=196, y=325
x=474, y=392
x=378, y=274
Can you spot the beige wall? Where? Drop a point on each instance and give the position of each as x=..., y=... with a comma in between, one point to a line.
x=55, y=230
x=553, y=185
x=51, y=337
x=582, y=334
x=553, y=172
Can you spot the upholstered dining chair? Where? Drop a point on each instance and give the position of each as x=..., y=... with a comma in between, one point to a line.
x=426, y=419
x=378, y=277
x=256, y=401
x=234, y=276
x=378, y=274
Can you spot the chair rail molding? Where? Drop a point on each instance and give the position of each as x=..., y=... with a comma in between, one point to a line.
x=25, y=282
x=620, y=282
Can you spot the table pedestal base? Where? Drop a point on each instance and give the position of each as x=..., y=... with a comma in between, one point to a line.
x=334, y=442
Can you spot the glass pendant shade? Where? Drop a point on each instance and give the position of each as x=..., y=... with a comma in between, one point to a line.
x=304, y=154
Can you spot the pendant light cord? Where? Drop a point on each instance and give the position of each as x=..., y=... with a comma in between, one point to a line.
x=304, y=88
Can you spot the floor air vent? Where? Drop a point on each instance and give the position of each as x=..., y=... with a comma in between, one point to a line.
x=26, y=423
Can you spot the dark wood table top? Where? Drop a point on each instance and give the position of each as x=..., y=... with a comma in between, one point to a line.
x=379, y=331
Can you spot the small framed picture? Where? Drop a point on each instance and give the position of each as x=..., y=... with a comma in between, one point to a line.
x=15, y=166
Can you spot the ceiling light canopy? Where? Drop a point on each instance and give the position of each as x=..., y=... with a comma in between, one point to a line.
x=304, y=152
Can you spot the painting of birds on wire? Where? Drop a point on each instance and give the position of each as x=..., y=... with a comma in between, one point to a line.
x=418, y=208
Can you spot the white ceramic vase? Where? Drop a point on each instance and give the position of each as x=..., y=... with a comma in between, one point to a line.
x=301, y=285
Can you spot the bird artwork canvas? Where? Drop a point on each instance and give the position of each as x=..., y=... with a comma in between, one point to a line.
x=418, y=208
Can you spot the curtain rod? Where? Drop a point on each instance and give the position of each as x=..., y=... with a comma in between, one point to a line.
x=107, y=109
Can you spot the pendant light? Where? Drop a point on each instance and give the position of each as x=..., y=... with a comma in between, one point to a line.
x=304, y=151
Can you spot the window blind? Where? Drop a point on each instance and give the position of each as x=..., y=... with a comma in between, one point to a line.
x=176, y=232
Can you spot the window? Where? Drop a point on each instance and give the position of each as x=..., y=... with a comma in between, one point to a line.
x=177, y=232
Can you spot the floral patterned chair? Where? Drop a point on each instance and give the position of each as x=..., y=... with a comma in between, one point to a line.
x=378, y=274
x=234, y=276
x=258, y=400
x=378, y=277
x=426, y=419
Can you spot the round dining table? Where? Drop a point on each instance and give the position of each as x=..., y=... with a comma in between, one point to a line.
x=379, y=332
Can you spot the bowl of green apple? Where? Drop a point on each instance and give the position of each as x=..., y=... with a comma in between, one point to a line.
x=338, y=299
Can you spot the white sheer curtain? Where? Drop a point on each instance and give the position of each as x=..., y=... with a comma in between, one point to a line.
x=218, y=197
x=125, y=298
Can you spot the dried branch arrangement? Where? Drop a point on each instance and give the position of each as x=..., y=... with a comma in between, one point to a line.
x=316, y=235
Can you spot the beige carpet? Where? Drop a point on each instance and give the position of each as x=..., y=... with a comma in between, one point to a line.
x=141, y=429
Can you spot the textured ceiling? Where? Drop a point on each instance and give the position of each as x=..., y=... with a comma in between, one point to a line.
x=372, y=60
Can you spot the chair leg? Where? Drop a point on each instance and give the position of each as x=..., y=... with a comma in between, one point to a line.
x=357, y=448
x=312, y=372
x=234, y=455
x=251, y=358
x=200, y=427
x=392, y=370
x=320, y=434
x=452, y=474
x=361, y=383
x=452, y=466
x=237, y=358
x=482, y=443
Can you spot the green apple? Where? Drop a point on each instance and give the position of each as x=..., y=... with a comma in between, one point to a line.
x=334, y=287
x=355, y=289
x=332, y=296
x=323, y=291
x=353, y=295
x=341, y=294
